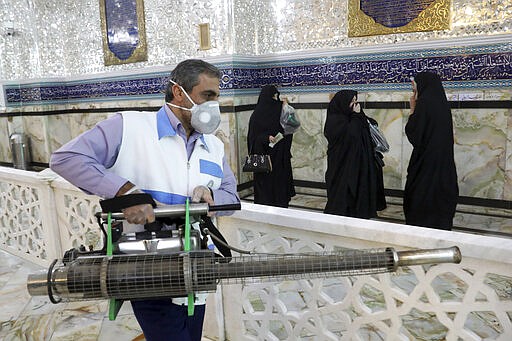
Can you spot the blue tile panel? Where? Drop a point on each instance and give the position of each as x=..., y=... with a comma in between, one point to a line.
x=88, y=90
x=486, y=67
x=395, y=13
x=121, y=20
x=483, y=67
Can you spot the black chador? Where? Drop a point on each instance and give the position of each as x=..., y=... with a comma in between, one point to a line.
x=275, y=188
x=354, y=170
x=431, y=189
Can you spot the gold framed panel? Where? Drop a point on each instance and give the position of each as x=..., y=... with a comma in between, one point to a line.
x=204, y=37
x=433, y=18
x=140, y=53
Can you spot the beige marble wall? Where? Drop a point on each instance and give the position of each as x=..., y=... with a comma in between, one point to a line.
x=309, y=147
x=242, y=124
x=5, y=151
x=480, y=149
x=62, y=128
x=507, y=191
x=8, y=126
x=36, y=127
x=227, y=134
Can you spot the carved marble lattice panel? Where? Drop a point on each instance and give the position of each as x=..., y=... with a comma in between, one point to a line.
x=435, y=302
x=21, y=227
x=82, y=228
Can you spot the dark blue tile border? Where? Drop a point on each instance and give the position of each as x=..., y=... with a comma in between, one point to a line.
x=86, y=91
x=488, y=67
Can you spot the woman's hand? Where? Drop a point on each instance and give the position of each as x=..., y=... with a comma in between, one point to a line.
x=412, y=102
x=412, y=99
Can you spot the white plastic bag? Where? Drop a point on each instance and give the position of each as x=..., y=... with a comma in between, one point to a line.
x=289, y=120
x=381, y=144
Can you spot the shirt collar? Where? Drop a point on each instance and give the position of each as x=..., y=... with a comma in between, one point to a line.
x=203, y=142
x=165, y=124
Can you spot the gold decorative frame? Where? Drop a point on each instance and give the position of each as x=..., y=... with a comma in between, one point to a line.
x=434, y=17
x=140, y=53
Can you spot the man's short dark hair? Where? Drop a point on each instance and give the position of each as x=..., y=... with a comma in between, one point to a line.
x=187, y=74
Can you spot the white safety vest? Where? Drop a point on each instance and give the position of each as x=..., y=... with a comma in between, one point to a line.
x=154, y=158
x=159, y=165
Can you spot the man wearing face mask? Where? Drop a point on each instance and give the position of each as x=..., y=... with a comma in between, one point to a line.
x=170, y=154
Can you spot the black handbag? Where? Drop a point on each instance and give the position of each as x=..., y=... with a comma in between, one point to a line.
x=257, y=163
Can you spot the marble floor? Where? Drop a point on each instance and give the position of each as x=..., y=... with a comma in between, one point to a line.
x=468, y=218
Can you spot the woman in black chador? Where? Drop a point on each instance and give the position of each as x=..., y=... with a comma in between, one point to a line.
x=275, y=188
x=354, y=169
x=431, y=189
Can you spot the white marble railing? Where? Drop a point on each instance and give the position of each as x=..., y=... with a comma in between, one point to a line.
x=40, y=216
x=467, y=301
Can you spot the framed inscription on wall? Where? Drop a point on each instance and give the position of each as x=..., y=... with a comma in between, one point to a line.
x=376, y=17
x=123, y=31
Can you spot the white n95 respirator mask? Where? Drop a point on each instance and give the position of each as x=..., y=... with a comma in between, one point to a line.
x=205, y=117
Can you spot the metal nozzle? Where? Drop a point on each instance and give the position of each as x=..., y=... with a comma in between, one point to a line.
x=418, y=257
x=37, y=284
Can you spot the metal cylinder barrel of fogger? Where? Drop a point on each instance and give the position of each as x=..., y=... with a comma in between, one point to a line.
x=176, y=275
x=127, y=277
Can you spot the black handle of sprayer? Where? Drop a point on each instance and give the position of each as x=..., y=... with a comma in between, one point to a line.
x=226, y=207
